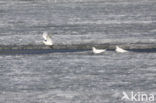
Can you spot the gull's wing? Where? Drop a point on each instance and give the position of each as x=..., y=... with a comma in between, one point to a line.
x=45, y=35
x=48, y=38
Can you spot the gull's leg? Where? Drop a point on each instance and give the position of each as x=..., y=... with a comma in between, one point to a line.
x=51, y=46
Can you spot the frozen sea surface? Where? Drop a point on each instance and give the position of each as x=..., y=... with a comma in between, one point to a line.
x=23, y=21
x=75, y=77
x=79, y=77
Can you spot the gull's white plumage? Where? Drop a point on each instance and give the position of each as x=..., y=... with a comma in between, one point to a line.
x=120, y=50
x=98, y=51
x=47, y=40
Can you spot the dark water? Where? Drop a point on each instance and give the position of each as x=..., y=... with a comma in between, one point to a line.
x=37, y=51
x=47, y=51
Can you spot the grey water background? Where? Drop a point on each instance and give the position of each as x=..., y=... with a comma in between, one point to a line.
x=77, y=77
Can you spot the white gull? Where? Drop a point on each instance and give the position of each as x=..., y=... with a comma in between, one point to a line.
x=98, y=51
x=47, y=40
x=120, y=50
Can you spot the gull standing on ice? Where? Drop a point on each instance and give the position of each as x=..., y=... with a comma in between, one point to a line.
x=47, y=40
x=98, y=51
x=120, y=50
